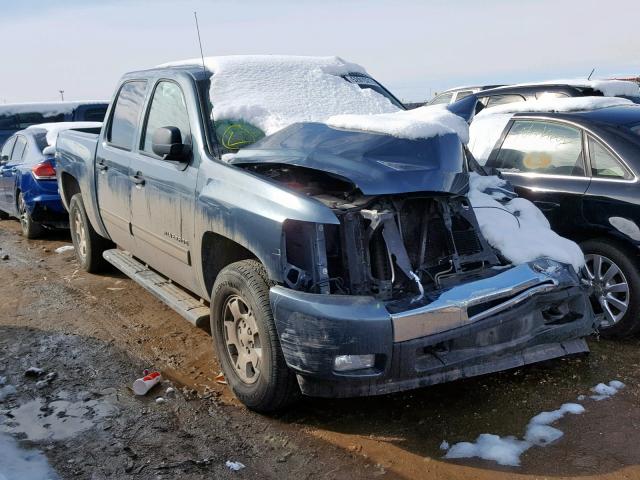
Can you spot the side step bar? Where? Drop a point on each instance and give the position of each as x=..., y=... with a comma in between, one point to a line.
x=186, y=305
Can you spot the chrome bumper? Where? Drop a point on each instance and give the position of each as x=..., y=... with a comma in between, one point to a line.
x=473, y=301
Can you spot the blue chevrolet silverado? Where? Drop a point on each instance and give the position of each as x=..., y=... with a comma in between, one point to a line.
x=326, y=261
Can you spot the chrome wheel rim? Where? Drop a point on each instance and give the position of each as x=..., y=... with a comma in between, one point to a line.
x=610, y=289
x=80, y=235
x=242, y=339
x=22, y=211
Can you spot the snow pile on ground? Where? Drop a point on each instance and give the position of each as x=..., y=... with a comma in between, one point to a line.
x=64, y=248
x=603, y=391
x=507, y=450
x=274, y=91
x=6, y=391
x=609, y=88
x=516, y=227
x=571, y=104
x=484, y=133
x=16, y=463
x=53, y=129
x=422, y=122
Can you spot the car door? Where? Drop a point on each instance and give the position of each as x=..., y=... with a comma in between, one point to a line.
x=11, y=171
x=5, y=173
x=113, y=158
x=162, y=200
x=544, y=160
x=611, y=199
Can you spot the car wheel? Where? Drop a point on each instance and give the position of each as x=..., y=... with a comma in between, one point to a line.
x=86, y=241
x=615, y=280
x=30, y=229
x=3, y=215
x=246, y=340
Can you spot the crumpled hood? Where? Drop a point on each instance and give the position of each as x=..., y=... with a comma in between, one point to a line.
x=376, y=164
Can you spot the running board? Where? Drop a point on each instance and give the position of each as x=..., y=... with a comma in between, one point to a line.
x=179, y=300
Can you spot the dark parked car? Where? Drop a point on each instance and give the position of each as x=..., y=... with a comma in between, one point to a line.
x=582, y=169
x=454, y=94
x=28, y=187
x=472, y=104
x=18, y=116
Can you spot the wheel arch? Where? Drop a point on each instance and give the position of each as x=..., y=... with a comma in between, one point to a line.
x=69, y=186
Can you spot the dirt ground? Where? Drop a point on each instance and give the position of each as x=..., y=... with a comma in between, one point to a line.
x=97, y=333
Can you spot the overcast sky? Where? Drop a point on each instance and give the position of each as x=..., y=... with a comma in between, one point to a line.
x=413, y=47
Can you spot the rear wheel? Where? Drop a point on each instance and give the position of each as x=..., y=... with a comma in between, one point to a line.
x=86, y=241
x=616, y=287
x=30, y=229
x=246, y=340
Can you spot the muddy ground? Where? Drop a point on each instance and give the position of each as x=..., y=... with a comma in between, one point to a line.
x=97, y=333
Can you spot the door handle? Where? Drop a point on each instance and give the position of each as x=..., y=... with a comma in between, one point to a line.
x=102, y=167
x=137, y=179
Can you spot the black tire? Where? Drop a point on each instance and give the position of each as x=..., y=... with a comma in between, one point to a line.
x=626, y=261
x=275, y=386
x=86, y=241
x=30, y=229
x=3, y=215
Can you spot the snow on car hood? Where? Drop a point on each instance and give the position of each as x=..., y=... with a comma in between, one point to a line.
x=272, y=92
x=376, y=164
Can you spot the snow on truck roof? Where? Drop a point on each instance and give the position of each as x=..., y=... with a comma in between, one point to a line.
x=272, y=92
x=53, y=129
x=557, y=105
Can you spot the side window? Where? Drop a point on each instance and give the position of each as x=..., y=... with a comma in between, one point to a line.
x=19, y=149
x=541, y=147
x=168, y=109
x=604, y=164
x=442, y=98
x=462, y=94
x=6, y=149
x=494, y=100
x=550, y=95
x=126, y=113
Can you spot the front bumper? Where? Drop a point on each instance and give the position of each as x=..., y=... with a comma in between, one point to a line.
x=521, y=315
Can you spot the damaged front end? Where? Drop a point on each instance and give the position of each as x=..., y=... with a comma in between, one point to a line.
x=404, y=290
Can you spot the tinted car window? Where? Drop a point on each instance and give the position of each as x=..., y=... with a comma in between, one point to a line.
x=18, y=150
x=8, y=122
x=604, y=163
x=364, y=81
x=93, y=114
x=494, y=100
x=442, y=98
x=463, y=94
x=125, y=114
x=168, y=109
x=541, y=147
x=548, y=95
x=41, y=140
x=7, y=147
x=33, y=118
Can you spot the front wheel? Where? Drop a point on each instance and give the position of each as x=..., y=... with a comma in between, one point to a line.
x=246, y=340
x=30, y=229
x=616, y=287
x=86, y=241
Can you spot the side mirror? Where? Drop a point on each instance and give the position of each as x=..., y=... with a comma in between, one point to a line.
x=167, y=144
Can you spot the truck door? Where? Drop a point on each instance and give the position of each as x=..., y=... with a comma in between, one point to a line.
x=163, y=195
x=113, y=158
x=544, y=160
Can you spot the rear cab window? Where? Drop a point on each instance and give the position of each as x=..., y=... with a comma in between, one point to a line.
x=533, y=146
x=494, y=100
x=441, y=99
x=126, y=113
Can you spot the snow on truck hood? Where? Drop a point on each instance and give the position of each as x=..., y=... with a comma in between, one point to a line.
x=275, y=91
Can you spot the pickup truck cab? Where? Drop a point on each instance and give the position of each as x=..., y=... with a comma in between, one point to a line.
x=329, y=261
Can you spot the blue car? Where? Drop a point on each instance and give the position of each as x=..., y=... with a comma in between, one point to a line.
x=28, y=187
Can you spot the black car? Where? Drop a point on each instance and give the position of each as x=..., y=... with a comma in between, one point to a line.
x=18, y=116
x=582, y=169
x=472, y=104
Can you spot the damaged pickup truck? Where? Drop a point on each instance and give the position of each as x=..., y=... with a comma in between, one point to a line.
x=336, y=261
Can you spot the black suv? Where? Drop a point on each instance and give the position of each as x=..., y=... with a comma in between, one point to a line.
x=582, y=170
